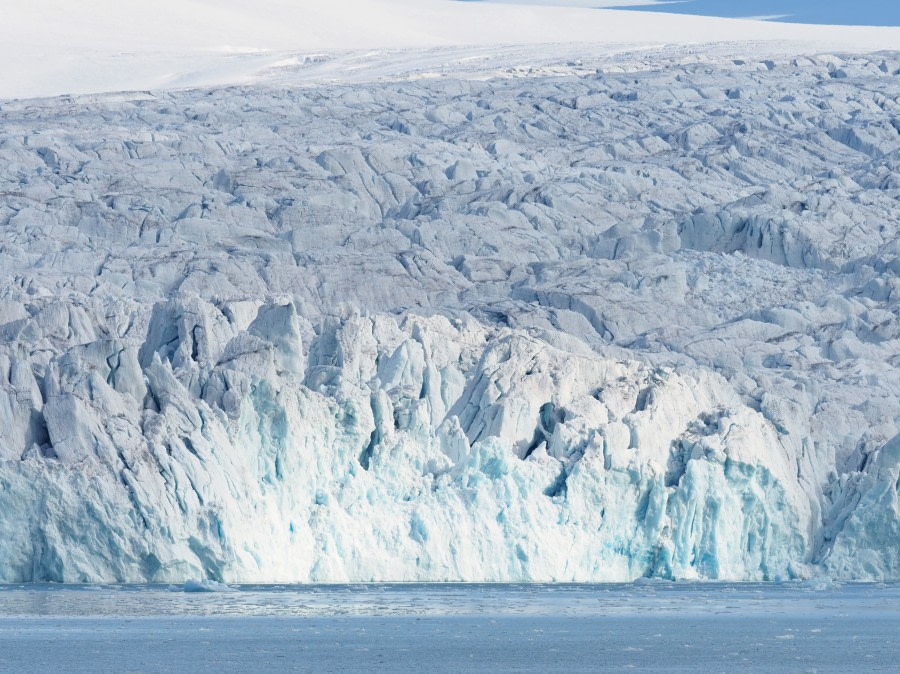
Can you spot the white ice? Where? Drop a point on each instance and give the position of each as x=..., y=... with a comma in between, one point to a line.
x=52, y=47
x=195, y=585
x=611, y=315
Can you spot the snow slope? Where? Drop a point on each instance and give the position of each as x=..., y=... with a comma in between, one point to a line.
x=641, y=321
x=51, y=47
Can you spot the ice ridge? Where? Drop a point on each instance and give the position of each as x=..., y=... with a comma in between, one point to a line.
x=644, y=322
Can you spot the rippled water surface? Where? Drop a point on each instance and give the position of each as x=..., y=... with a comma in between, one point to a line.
x=451, y=599
x=812, y=626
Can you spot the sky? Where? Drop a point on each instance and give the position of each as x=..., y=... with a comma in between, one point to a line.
x=840, y=12
x=832, y=12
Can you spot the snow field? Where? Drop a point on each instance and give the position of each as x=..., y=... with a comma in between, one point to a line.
x=53, y=47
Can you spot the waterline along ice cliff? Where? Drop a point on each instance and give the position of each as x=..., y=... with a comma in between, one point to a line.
x=594, y=319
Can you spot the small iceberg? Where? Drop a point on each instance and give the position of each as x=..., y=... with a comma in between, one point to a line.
x=820, y=584
x=194, y=585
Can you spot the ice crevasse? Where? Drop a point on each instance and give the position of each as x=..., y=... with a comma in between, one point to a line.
x=421, y=448
x=541, y=330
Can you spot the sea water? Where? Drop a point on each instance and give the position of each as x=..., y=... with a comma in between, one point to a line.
x=813, y=626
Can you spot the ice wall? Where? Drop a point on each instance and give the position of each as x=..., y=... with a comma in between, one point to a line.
x=643, y=322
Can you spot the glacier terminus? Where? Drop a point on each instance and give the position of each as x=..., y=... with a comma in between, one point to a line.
x=635, y=319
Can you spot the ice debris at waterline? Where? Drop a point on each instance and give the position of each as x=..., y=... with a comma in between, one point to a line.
x=643, y=322
x=194, y=585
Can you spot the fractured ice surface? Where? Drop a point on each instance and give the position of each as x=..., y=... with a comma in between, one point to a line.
x=643, y=322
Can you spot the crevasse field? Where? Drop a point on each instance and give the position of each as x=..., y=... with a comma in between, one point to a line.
x=637, y=320
x=458, y=312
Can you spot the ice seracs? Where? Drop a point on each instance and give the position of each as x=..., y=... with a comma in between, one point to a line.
x=640, y=322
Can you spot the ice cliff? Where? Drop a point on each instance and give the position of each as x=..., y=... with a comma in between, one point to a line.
x=640, y=322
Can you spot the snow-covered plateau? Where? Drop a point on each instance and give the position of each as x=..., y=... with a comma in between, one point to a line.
x=635, y=321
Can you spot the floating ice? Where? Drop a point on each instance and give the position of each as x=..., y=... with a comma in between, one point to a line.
x=194, y=585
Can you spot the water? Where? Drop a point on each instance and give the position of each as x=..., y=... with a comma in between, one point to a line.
x=412, y=628
x=835, y=12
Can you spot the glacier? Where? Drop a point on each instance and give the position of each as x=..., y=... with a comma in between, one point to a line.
x=639, y=320
x=95, y=46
